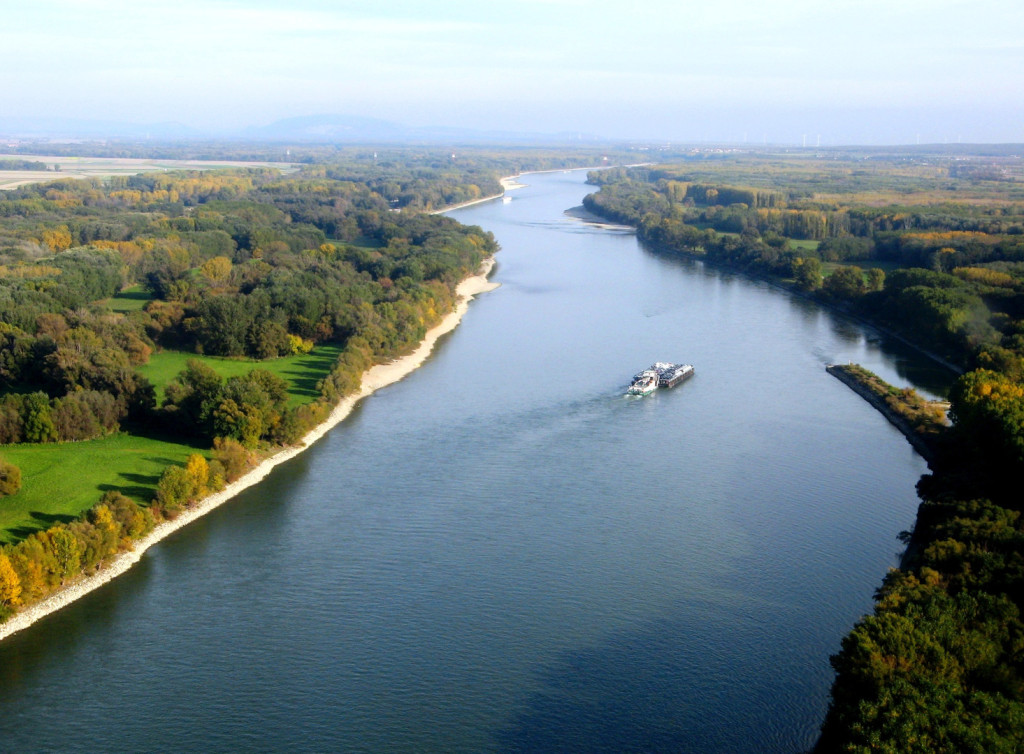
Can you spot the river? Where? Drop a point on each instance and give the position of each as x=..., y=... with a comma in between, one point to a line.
x=503, y=553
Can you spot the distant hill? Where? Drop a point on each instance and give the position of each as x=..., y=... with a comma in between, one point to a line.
x=328, y=128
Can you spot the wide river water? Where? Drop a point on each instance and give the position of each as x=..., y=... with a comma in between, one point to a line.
x=504, y=553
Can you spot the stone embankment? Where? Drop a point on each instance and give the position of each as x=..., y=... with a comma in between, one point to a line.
x=849, y=375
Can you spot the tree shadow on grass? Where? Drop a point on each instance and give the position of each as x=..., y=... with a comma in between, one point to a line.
x=303, y=383
x=142, y=486
x=40, y=522
x=147, y=479
x=153, y=459
x=141, y=495
x=307, y=372
x=148, y=431
x=52, y=518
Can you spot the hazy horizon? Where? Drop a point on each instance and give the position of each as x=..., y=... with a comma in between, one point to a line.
x=842, y=73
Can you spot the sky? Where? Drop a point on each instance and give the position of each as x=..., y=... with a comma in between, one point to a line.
x=777, y=71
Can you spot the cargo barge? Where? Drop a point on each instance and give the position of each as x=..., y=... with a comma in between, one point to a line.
x=670, y=375
x=659, y=374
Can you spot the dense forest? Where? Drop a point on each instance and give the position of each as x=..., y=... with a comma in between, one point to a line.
x=930, y=246
x=247, y=264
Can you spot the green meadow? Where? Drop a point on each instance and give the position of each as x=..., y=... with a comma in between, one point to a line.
x=302, y=372
x=62, y=480
x=130, y=299
x=59, y=481
x=803, y=245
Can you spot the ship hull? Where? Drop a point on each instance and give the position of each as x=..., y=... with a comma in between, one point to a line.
x=676, y=379
x=642, y=391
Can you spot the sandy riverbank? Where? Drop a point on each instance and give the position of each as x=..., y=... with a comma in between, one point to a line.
x=584, y=215
x=373, y=379
x=507, y=184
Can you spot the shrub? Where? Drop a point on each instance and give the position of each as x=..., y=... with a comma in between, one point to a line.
x=10, y=478
x=174, y=488
x=232, y=456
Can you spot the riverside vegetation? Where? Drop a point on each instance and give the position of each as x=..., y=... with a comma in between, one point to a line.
x=253, y=301
x=930, y=245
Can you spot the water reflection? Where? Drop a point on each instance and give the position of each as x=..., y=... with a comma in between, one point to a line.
x=640, y=690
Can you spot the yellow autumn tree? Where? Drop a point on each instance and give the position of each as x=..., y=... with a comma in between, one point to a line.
x=10, y=584
x=108, y=529
x=299, y=345
x=10, y=478
x=198, y=471
x=217, y=269
x=58, y=239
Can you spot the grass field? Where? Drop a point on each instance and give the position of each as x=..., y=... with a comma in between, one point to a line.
x=90, y=167
x=60, y=481
x=131, y=299
x=803, y=245
x=301, y=372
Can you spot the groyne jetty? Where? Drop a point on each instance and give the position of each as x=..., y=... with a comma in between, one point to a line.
x=921, y=421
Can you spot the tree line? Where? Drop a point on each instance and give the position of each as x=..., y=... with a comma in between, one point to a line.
x=14, y=164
